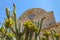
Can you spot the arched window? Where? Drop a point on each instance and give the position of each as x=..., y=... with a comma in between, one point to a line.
x=31, y=16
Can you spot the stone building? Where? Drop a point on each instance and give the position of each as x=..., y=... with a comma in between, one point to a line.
x=36, y=14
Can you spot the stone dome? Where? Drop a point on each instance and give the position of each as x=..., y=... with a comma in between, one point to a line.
x=33, y=11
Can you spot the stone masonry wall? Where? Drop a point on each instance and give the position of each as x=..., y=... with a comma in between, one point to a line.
x=36, y=14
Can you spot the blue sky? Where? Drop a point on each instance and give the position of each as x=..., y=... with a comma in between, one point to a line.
x=23, y=5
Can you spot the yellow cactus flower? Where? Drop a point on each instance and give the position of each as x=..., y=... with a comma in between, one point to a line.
x=36, y=29
x=29, y=21
x=43, y=38
x=2, y=30
x=10, y=34
x=46, y=33
x=8, y=23
x=56, y=35
x=11, y=22
x=27, y=24
x=24, y=24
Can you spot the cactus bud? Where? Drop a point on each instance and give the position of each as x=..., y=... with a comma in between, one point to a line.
x=7, y=12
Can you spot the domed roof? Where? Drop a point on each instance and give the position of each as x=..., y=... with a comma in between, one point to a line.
x=32, y=11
